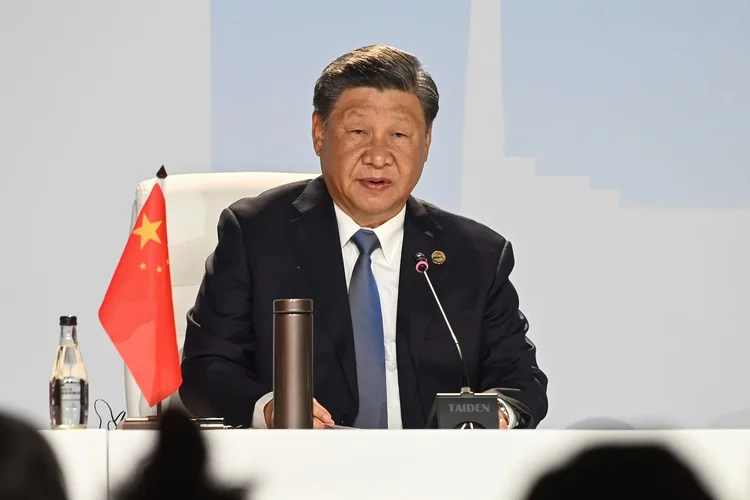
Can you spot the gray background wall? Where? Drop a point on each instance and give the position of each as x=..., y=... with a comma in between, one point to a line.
x=94, y=97
x=607, y=142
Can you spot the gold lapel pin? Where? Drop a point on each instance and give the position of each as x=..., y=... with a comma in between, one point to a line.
x=438, y=257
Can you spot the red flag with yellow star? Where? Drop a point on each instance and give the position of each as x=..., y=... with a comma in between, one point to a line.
x=137, y=311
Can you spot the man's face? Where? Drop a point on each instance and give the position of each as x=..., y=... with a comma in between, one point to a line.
x=372, y=151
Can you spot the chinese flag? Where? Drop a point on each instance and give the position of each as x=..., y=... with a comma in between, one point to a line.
x=137, y=310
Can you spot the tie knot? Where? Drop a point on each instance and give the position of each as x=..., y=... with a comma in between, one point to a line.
x=366, y=241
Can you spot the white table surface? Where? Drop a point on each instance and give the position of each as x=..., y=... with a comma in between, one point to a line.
x=330, y=465
x=82, y=455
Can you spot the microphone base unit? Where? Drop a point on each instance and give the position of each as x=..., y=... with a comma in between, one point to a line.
x=465, y=411
x=151, y=423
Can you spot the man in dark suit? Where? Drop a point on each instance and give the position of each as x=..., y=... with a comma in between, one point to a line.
x=347, y=240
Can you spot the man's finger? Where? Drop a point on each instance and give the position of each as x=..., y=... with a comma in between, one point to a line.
x=503, y=422
x=319, y=424
x=321, y=413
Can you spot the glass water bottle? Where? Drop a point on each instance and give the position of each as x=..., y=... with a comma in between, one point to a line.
x=68, y=385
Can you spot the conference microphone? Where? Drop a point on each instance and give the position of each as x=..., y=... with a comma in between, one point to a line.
x=421, y=265
x=464, y=410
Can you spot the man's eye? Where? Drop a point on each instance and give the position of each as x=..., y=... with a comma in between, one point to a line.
x=357, y=131
x=400, y=134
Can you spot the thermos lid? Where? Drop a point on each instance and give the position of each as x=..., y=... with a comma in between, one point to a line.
x=293, y=306
x=68, y=321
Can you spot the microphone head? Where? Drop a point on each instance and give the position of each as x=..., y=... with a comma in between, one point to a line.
x=420, y=262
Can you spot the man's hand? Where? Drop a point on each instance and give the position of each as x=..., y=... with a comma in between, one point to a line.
x=321, y=418
x=503, y=420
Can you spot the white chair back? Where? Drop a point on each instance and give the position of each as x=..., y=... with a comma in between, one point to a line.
x=194, y=203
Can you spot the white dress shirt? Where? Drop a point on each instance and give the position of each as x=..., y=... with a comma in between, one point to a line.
x=386, y=265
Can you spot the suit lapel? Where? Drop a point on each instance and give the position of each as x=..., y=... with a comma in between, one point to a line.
x=317, y=243
x=416, y=306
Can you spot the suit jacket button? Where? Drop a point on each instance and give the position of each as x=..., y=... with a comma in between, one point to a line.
x=346, y=420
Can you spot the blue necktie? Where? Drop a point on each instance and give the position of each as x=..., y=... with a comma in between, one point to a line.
x=369, y=345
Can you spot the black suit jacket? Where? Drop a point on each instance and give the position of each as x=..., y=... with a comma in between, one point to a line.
x=284, y=244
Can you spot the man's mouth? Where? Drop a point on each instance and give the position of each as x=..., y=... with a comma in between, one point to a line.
x=375, y=183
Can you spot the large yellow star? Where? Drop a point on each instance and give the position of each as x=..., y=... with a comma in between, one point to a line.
x=147, y=231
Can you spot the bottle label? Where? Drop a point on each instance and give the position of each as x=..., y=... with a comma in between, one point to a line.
x=70, y=395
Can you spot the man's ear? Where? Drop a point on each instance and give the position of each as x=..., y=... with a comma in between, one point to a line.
x=318, y=133
x=427, y=143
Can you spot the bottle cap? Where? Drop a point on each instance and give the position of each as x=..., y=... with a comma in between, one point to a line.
x=292, y=306
x=68, y=321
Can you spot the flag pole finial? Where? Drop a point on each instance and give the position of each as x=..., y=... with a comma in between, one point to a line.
x=162, y=173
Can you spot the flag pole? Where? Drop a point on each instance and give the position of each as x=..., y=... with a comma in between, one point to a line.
x=161, y=174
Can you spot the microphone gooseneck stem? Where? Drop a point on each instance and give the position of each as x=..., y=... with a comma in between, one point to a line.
x=465, y=384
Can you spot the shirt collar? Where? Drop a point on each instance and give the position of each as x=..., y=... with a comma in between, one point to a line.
x=389, y=233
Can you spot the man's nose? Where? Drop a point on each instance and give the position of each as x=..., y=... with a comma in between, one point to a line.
x=377, y=154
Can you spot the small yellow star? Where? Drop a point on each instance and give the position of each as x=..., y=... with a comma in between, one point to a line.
x=142, y=266
x=167, y=261
x=158, y=269
x=147, y=231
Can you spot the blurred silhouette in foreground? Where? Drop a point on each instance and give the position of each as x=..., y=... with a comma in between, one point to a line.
x=28, y=467
x=642, y=472
x=178, y=466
